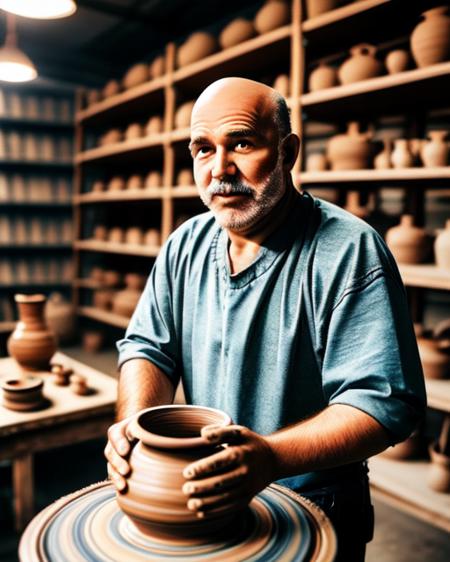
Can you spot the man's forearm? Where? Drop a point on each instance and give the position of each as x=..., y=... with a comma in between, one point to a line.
x=141, y=385
x=338, y=435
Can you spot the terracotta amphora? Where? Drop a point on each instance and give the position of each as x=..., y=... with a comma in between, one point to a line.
x=408, y=243
x=317, y=7
x=273, y=14
x=324, y=76
x=442, y=247
x=236, y=32
x=397, y=61
x=351, y=151
x=430, y=40
x=382, y=160
x=32, y=344
x=168, y=440
x=361, y=65
x=401, y=156
x=434, y=152
x=438, y=478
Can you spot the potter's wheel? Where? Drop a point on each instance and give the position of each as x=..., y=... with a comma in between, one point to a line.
x=88, y=525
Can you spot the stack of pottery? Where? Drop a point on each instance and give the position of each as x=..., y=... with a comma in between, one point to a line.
x=397, y=60
x=273, y=14
x=317, y=7
x=442, y=247
x=125, y=301
x=430, y=40
x=183, y=115
x=351, y=151
x=136, y=75
x=60, y=317
x=282, y=85
x=434, y=152
x=324, y=76
x=236, y=32
x=361, y=65
x=434, y=350
x=408, y=243
x=198, y=46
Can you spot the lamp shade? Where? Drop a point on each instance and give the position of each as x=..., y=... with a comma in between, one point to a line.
x=15, y=66
x=40, y=9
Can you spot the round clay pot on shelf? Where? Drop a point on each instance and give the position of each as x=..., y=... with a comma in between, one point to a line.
x=316, y=7
x=32, y=344
x=22, y=394
x=134, y=235
x=185, y=177
x=434, y=152
x=98, y=186
x=100, y=232
x=168, y=440
x=353, y=205
x=272, y=15
x=397, y=60
x=183, y=115
x=116, y=183
x=97, y=274
x=361, y=65
x=198, y=46
x=282, y=85
x=316, y=162
x=442, y=247
x=134, y=182
x=61, y=317
x=408, y=243
x=236, y=32
x=382, y=160
x=438, y=478
x=323, y=77
x=401, y=156
x=116, y=235
x=351, y=151
x=136, y=75
x=153, y=179
x=154, y=125
x=125, y=301
x=111, y=88
x=430, y=39
x=113, y=136
x=152, y=237
x=134, y=131
x=111, y=278
x=157, y=68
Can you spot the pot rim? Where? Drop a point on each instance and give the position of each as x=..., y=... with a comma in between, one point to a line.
x=29, y=383
x=20, y=298
x=136, y=430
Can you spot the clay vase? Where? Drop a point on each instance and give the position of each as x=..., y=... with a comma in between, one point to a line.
x=153, y=179
x=111, y=278
x=401, y=156
x=282, y=85
x=100, y=232
x=430, y=39
x=435, y=360
x=32, y=344
x=185, y=177
x=324, y=76
x=442, y=247
x=98, y=186
x=111, y=89
x=158, y=67
x=236, y=32
x=382, y=160
x=154, y=125
x=350, y=151
x=434, y=152
x=361, y=65
x=60, y=317
x=124, y=302
x=136, y=75
x=134, y=235
x=198, y=46
x=134, y=131
x=316, y=162
x=116, y=234
x=273, y=14
x=438, y=478
x=22, y=394
x=168, y=440
x=397, y=61
x=183, y=115
x=152, y=237
x=408, y=243
x=317, y=7
x=116, y=183
x=134, y=182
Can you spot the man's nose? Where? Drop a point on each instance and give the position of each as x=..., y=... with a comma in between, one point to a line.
x=222, y=165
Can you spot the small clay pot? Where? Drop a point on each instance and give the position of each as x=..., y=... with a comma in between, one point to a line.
x=183, y=115
x=111, y=278
x=401, y=156
x=316, y=162
x=135, y=182
x=116, y=183
x=430, y=39
x=273, y=14
x=282, y=85
x=152, y=237
x=435, y=360
x=116, y=234
x=134, y=131
x=136, y=75
x=316, y=7
x=102, y=298
x=100, y=232
x=236, y=32
x=442, y=247
x=434, y=152
x=408, y=243
x=352, y=150
x=158, y=67
x=112, y=136
x=111, y=89
x=134, y=235
x=397, y=61
x=97, y=274
x=382, y=160
x=93, y=96
x=154, y=125
x=438, y=478
x=61, y=375
x=22, y=394
x=324, y=76
x=353, y=205
x=98, y=186
x=153, y=179
x=92, y=341
x=185, y=177
x=198, y=46
x=78, y=385
x=361, y=65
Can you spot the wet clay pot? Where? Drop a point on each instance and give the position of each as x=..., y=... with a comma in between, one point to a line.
x=32, y=344
x=273, y=14
x=324, y=76
x=168, y=440
x=124, y=302
x=198, y=46
x=60, y=317
x=442, y=247
x=317, y=7
x=401, y=156
x=282, y=85
x=430, y=40
x=434, y=152
x=22, y=394
x=438, y=478
x=183, y=115
x=136, y=75
x=236, y=32
x=397, y=61
x=408, y=243
x=351, y=151
x=361, y=65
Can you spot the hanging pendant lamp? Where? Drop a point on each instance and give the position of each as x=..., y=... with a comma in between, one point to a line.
x=15, y=66
x=40, y=9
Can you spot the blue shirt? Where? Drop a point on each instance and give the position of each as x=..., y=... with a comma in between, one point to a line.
x=319, y=318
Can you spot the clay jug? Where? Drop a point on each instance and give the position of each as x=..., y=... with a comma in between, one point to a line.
x=185, y=177
x=273, y=14
x=134, y=235
x=401, y=156
x=60, y=317
x=350, y=151
x=125, y=301
x=316, y=162
x=397, y=61
x=183, y=115
x=430, y=40
x=168, y=440
x=236, y=32
x=32, y=344
x=324, y=76
x=408, y=243
x=382, y=160
x=152, y=237
x=442, y=247
x=316, y=7
x=134, y=182
x=134, y=131
x=116, y=183
x=154, y=125
x=282, y=85
x=116, y=235
x=434, y=152
x=158, y=67
x=153, y=179
x=361, y=65
x=111, y=89
x=198, y=46
x=438, y=477
x=136, y=75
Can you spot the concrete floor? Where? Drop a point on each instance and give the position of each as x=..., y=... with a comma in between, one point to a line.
x=398, y=537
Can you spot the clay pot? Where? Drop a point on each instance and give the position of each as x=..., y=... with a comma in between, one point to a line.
x=116, y=183
x=112, y=136
x=92, y=341
x=78, y=385
x=350, y=151
x=316, y=162
x=111, y=89
x=442, y=247
x=136, y=75
x=198, y=46
x=60, y=317
x=134, y=235
x=438, y=478
x=401, y=156
x=134, y=131
x=236, y=32
x=382, y=161
x=32, y=344
x=397, y=61
x=324, y=76
x=317, y=7
x=100, y=232
x=362, y=65
x=97, y=274
x=61, y=375
x=158, y=67
x=111, y=278
x=154, y=125
x=168, y=440
x=183, y=115
x=152, y=237
x=98, y=186
x=125, y=301
x=282, y=85
x=116, y=234
x=153, y=179
x=435, y=361
x=408, y=243
x=430, y=39
x=102, y=299
x=93, y=96
x=273, y=14
x=185, y=177
x=134, y=182
x=434, y=152
x=353, y=205
x=22, y=394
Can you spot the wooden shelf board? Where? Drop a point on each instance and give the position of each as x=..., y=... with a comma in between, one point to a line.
x=427, y=276
x=125, y=148
x=116, y=248
x=125, y=195
x=35, y=164
x=34, y=123
x=179, y=135
x=103, y=316
x=35, y=246
x=397, y=175
x=340, y=14
x=86, y=283
x=6, y=326
x=34, y=284
x=180, y=192
x=438, y=394
x=34, y=204
x=404, y=484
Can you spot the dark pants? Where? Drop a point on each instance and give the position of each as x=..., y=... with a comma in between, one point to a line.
x=349, y=508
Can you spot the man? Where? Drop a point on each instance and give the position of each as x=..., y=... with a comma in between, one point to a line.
x=284, y=311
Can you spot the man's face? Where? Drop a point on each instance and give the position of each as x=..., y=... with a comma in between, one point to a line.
x=237, y=167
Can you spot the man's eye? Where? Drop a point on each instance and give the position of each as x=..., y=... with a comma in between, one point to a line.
x=243, y=145
x=204, y=150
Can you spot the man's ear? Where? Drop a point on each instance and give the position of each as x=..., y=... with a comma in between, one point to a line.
x=290, y=148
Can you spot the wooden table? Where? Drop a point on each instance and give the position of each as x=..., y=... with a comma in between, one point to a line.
x=68, y=419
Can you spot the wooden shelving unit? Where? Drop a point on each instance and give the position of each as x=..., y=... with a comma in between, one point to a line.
x=425, y=276
x=103, y=316
x=116, y=248
x=397, y=175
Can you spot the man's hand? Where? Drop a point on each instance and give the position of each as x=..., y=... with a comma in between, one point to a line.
x=244, y=467
x=116, y=452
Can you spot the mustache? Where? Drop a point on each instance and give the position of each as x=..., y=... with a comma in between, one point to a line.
x=229, y=188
